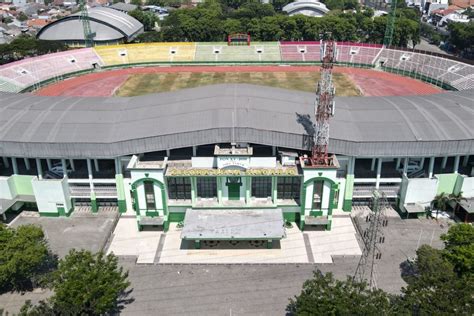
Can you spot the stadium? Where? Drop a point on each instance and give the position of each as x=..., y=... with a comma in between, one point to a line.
x=178, y=132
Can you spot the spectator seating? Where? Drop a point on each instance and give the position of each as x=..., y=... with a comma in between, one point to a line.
x=29, y=71
x=221, y=52
x=7, y=86
x=146, y=53
x=16, y=76
x=300, y=51
x=435, y=68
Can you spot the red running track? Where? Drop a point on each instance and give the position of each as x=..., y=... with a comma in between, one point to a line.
x=370, y=82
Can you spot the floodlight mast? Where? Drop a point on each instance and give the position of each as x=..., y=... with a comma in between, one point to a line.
x=324, y=104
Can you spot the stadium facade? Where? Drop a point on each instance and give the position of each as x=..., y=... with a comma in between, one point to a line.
x=235, y=148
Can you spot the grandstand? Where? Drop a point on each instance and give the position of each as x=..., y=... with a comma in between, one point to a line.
x=221, y=52
x=146, y=53
x=27, y=72
x=439, y=70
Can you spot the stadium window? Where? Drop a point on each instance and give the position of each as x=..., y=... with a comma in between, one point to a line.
x=149, y=195
x=317, y=194
x=288, y=188
x=179, y=188
x=206, y=187
x=262, y=187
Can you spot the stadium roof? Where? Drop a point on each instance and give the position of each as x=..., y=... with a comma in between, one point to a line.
x=77, y=127
x=108, y=24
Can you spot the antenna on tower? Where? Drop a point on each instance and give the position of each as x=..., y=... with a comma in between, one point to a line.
x=372, y=237
x=324, y=105
x=86, y=25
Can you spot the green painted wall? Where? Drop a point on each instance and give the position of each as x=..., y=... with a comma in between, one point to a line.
x=349, y=191
x=122, y=205
x=176, y=217
x=447, y=182
x=23, y=184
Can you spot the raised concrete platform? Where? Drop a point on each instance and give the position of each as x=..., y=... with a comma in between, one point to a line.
x=229, y=224
x=128, y=241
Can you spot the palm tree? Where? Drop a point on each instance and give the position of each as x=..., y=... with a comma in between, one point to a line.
x=441, y=202
x=456, y=198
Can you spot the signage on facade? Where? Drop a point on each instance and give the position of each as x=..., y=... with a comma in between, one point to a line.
x=233, y=161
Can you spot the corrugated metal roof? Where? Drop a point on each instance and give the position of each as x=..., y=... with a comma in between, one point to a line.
x=107, y=23
x=441, y=124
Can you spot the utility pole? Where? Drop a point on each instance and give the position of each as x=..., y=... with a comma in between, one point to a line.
x=86, y=25
x=372, y=237
x=324, y=105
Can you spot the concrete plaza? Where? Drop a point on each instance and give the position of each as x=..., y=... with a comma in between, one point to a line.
x=311, y=246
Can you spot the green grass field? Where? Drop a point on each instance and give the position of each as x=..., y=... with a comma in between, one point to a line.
x=139, y=84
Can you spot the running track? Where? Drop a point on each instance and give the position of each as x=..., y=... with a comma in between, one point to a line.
x=370, y=82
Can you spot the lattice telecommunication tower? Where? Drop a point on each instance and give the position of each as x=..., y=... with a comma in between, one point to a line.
x=373, y=236
x=324, y=104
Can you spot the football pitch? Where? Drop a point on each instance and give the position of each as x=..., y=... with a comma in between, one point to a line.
x=140, y=84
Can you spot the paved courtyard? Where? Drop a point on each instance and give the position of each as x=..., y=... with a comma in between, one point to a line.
x=312, y=246
x=82, y=230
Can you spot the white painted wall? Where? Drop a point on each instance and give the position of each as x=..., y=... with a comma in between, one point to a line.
x=468, y=187
x=421, y=191
x=204, y=162
x=262, y=162
x=49, y=193
x=7, y=188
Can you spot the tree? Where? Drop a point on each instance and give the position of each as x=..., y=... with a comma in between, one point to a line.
x=461, y=35
x=324, y=295
x=459, y=247
x=22, y=17
x=441, y=202
x=436, y=289
x=24, y=257
x=88, y=284
x=148, y=18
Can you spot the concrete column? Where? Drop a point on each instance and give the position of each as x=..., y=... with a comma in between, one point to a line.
x=422, y=163
x=27, y=163
x=195, y=151
x=248, y=188
x=219, y=189
x=274, y=151
x=431, y=167
x=445, y=161
x=352, y=163
x=90, y=172
x=405, y=166
x=96, y=165
x=71, y=162
x=5, y=162
x=14, y=165
x=398, y=163
x=456, y=164
x=372, y=166
x=168, y=152
x=465, y=161
x=379, y=171
x=39, y=168
x=64, y=166
x=118, y=165
x=50, y=165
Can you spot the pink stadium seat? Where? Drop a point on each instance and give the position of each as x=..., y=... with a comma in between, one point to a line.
x=33, y=70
